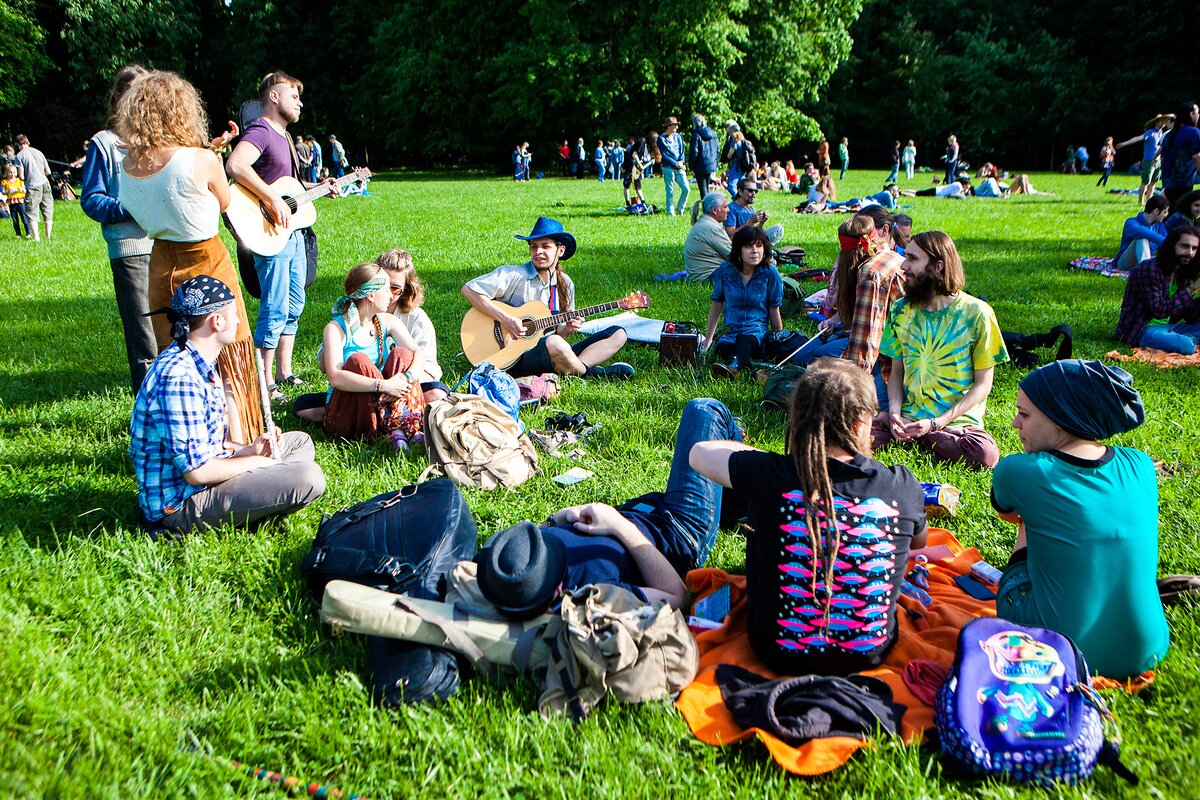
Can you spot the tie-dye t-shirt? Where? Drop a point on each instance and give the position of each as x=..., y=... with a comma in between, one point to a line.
x=792, y=629
x=941, y=351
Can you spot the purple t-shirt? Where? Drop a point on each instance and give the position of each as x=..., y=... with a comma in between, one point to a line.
x=275, y=159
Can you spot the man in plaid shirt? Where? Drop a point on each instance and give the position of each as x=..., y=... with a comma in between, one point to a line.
x=189, y=476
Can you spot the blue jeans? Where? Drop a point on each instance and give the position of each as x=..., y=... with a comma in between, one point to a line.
x=282, y=279
x=1178, y=337
x=731, y=183
x=338, y=169
x=894, y=175
x=673, y=177
x=600, y=170
x=845, y=166
x=683, y=521
x=952, y=171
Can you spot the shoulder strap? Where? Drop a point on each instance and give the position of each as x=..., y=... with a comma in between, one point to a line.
x=459, y=641
x=352, y=561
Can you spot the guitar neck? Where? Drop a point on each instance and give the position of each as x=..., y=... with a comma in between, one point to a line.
x=554, y=320
x=320, y=190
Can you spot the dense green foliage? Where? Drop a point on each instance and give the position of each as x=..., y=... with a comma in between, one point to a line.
x=1015, y=81
x=124, y=662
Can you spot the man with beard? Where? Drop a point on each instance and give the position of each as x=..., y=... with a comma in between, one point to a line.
x=542, y=278
x=263, y=155
x=944, y=345
x=1148, y=297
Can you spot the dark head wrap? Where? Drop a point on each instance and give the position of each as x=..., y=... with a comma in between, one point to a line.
x=195, y=297
x=1086, y=398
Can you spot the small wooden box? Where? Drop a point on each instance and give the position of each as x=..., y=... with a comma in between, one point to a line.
x=679, y=350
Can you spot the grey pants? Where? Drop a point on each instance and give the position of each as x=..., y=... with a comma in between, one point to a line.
x=284, y=487
x=131, y=283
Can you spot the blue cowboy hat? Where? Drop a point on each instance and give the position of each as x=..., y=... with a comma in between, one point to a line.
x=546, y=228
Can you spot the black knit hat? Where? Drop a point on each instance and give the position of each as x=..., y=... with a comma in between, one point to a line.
x=521, y=570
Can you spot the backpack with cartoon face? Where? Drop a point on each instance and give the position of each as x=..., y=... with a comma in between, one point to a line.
x=1019, y=702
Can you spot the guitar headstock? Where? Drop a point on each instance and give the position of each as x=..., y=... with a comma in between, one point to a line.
x=634, y=301
x=362, y=174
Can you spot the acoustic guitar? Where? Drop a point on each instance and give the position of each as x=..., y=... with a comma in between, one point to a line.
x=250, y=220
x=485, y=339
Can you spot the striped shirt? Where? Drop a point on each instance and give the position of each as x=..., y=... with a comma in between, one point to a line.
x=178, y=425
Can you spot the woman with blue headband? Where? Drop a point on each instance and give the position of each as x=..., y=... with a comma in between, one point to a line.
x=372, y=363
x=1085, y=561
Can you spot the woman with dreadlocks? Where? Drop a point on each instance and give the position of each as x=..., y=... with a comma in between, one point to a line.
x=832, y=529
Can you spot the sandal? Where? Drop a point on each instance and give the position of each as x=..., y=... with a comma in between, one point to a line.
x=274, y=394
x=1175, y=589
x=292, y=380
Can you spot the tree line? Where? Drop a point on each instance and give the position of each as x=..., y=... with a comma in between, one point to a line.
x=452, y=81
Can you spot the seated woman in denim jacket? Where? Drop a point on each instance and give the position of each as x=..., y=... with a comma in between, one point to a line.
x=747, y=289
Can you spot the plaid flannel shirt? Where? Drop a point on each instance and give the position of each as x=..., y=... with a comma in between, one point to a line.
x=1147, y=298
x=178, y=425
x=880, y=283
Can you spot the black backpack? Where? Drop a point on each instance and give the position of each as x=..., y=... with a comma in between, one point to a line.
x=1021, y=346
x=403, y=542
x=747, y=157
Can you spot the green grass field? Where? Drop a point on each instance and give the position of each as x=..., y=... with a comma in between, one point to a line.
x=124, y=664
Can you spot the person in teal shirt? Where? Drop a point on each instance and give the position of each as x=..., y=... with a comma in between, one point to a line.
x=1085, y=561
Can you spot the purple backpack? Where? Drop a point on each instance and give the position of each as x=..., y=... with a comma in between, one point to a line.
x=1019, y=702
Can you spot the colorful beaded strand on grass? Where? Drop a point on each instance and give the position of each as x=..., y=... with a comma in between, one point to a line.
x=292, y=784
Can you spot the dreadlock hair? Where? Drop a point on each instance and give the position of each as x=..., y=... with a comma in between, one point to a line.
x=848, y=264
x=831, y=398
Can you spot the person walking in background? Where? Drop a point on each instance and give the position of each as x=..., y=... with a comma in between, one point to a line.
x=128, y=246
x=951, y=159
x=670, y=145
x=1108, y=155
x=822, y=154
x=1082, y=156
x=1150, y=167
x=580, y=159
x=35, y=171
x=13, y=189
x=599, y=157
x=617, y=154
x=1069, y=161
x=337, y=157
x=703, y=155
x=304, y=156
x=909, y=159
x=1180, y=154
x=844, y=157
x=314, y=170
x=894, y=175
x=564, y=158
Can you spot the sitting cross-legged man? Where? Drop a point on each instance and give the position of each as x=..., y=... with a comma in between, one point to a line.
x=1086, y=552
x=645, y=545
x=1149, y=297
x=189, y=475
x=543, y=279
x=944, y=345
x=1142, y=234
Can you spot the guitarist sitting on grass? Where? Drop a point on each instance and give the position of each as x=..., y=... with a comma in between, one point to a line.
x=542, y=279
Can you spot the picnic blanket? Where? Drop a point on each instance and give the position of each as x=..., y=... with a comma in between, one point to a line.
x=930, y=634
x=1157, y=358
x=1105, y=266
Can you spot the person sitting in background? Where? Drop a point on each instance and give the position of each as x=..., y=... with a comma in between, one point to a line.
x=1142, y=234
x=189, y=475
x=748, y=291
x=707, y=244
x=789, y=172
x=1022, y=185
x=742, y=214
x=944, y=345
x=1086, y=553
x=901, y=232
x=797, y=625
x=1148, y=297
x=1187, y=212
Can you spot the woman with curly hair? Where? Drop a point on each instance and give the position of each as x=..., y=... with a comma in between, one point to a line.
x=175, y=189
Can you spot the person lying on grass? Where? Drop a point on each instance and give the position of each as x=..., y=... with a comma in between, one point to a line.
x=645, y=545
x=822, y=596
x=189, y=475
x=372, y=363
x=1086, y=554
x=1148, y=297
x=543, y=279
x=944, y=345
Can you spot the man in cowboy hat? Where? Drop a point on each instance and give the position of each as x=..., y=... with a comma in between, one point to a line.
x=188, y=475
x=542, y=278
x=670, y=145
x=645, y=545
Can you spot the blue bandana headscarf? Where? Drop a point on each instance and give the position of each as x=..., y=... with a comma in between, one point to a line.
x=345, y=306
x=1086, y=398
x=195, y=297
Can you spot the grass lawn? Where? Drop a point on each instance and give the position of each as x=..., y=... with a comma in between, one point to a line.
x=123, y=662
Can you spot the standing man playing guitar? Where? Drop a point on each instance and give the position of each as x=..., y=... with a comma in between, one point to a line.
x=263, y=155
x=542, y=279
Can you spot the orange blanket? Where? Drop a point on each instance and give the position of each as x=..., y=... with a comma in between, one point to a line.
x=710, y=720
x=1157, y=358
